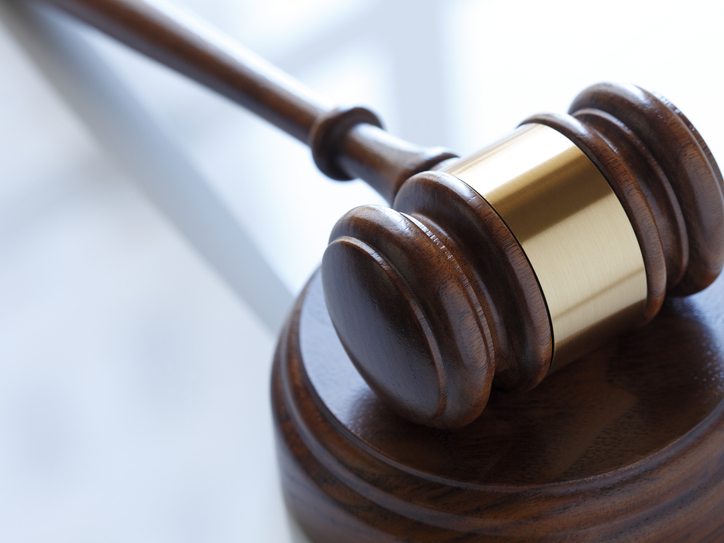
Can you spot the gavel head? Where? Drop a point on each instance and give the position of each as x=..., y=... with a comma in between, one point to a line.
x=506, y=265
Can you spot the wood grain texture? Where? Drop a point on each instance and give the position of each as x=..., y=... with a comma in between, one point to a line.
x=624, y=182
x=426, y=356
x=454, y=257
x=434, y=299
x=496, y=268
x=660, y=137
x=625, y=445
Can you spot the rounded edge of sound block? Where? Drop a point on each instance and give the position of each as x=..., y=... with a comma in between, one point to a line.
x=342, y=489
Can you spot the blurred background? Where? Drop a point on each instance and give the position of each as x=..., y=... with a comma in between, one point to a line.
x=134, y=378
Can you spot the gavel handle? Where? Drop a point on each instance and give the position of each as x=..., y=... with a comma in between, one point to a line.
x=346, y=144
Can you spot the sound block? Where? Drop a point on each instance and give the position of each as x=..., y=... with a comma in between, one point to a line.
x=626, y=444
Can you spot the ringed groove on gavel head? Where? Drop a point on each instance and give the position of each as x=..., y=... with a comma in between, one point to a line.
x=433, y=334
x=512, y=262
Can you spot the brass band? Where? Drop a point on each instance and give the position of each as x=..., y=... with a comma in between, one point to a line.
x=571, y=227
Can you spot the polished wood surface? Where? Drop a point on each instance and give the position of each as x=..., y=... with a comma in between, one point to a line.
x=184, y=44
x=626, y=444
x=666, y=142
x=433, y=321
x=418, y=308
x=358, y=146
x=434, y=304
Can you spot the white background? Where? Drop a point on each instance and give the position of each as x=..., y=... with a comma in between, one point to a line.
x=133, y=381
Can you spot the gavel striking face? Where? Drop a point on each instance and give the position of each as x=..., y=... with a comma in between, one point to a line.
x=501, y=267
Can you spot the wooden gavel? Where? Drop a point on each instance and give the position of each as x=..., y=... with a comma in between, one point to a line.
x=496, y=268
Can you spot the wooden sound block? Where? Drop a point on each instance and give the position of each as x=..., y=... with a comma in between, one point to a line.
x=626, y=444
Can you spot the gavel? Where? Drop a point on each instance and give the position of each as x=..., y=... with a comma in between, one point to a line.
x=493, y=269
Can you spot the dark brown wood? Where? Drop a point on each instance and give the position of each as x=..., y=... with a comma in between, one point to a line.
x=442, y=338
x=619, y=172
x=626, y=444
x=434, y=299
x=187, y=46
x=660, y=137
x=384, y=161
x=357, y=149
x=496, y=268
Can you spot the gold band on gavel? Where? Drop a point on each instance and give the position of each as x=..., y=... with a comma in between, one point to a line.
x=573, y=229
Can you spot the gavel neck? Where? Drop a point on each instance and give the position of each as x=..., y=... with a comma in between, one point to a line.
x=384, y=161
x=346, y=143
